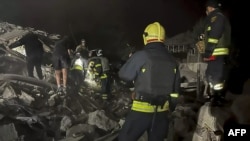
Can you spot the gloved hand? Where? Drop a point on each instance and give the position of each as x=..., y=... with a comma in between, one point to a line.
x=211, y=58
x=200, y=46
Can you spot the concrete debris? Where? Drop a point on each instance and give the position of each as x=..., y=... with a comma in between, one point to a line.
x=80, y=129
x=30, y=109
x=99, y=119
x=210, y=120
x=8, y=132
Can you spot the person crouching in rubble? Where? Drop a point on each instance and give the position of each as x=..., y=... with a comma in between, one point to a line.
x=61, y=62
x=100, y=68
x=34, y=53
x=157, y=81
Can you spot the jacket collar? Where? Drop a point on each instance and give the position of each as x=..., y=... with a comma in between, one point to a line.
x=155, y=45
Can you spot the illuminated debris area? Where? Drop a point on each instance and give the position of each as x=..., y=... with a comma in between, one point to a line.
x=30, y=109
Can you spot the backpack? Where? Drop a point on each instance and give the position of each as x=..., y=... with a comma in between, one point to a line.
x=105, y=64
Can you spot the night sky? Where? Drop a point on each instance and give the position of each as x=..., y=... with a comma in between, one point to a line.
x=92, y=17
x=104, y=23
x=111, y=24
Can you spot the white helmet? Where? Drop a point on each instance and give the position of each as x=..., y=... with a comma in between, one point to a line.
x=99, y=52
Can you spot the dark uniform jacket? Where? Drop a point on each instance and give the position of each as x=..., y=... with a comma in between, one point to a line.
x=33, y=47
x=61, y=48
x=217, y=34
x=153, y=70
x=100, y=66
x=83, y=51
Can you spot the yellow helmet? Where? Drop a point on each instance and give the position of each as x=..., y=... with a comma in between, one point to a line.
x=154, y=32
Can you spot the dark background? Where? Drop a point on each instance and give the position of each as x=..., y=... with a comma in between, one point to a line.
x=105, y=23
x=112, y=24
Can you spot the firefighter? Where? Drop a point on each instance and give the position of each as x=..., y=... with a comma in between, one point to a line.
x=215, y=49
x=78, y=70
x=100, y=68
x=156, y=79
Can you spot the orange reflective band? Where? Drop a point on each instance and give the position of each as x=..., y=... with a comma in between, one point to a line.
x=153, y=40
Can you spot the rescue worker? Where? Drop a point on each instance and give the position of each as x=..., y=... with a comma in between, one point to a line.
x=100, y=66
x=78, y=70
x=34, y=53
x=157, y=81
x=215, y=48
x=82, y=49
x=61, y=62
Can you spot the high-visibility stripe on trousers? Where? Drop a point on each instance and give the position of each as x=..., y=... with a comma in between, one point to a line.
x=104, y=96
x=148, y=108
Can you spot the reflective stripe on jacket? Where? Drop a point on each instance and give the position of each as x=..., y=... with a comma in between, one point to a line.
x=220, y=51
x=217, y=34
x=77, y=67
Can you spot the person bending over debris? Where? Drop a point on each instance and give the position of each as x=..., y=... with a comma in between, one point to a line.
x=79, y=66
x=34, y=53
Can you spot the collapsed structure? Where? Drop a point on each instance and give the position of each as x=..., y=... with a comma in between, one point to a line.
x=31, y=110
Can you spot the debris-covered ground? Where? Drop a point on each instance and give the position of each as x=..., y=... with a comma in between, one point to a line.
x=30, y=109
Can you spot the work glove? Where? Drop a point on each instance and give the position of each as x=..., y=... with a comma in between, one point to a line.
x=200, y=46
x=210, y=58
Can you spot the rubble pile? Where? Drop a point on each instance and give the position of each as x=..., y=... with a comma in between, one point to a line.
x=29, y=105
x=30, y=109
